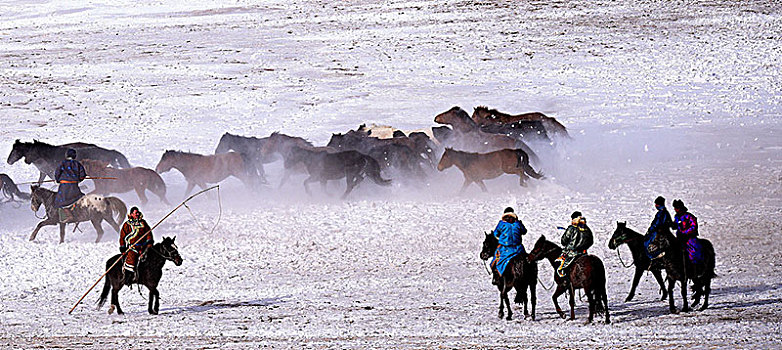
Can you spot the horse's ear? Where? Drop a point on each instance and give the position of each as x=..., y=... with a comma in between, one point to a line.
x=542, y=238
x=173, y=239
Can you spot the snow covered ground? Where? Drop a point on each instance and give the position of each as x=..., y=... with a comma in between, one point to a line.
x=678, y=99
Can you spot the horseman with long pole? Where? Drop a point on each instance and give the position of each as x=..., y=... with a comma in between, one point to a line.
x=141, y=238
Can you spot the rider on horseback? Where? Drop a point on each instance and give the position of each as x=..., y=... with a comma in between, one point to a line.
x=68, y=175
x=508, y=232
x=134, y=238
x=661, y=224
x=575, y=242
x=687, y=232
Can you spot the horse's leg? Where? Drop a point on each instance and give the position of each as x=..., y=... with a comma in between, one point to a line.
x=533, y=299
x=189, y=188
x=41, y=177
x=141, y=193
x=115, y=300
x=157, y=301
x=98, y=228
x=671, y=304
x=572, y=301
x=604, y=298
x=467, y=182
x=306, y=184
x=483, y=187
x=46, y=222
x=685, y=306
x=62, y=232
x=154, y=296
x=351, y=182
x=636, y=278
x=501, y=314
x=706, y=292
x=591, y=303
x=659, y=277
x=507, y=303
x=285, y=176
x=557, y=293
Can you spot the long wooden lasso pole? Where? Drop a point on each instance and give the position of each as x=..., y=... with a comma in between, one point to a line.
x=86, y=178
x=148, y=232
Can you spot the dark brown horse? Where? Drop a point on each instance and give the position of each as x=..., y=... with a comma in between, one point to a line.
x=635, y=241
x=91, y=208
x=47, y=158
x=9, y=190
x=586, y=272
x=129, y=179
x=484, y=116
x=282, y=144
x=678, y=268
x=467, y=135
x=520, y=274
x=205, y=169
x=250, y=149
x=323, y=166
x=150, y=270
x=477, y=167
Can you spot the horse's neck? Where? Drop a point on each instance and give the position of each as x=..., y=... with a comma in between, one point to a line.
x=635, y=243
x=552, y=256
x=185, y=164
x=154, y=258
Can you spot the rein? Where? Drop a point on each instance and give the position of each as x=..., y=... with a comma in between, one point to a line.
x=544, y=286
x=622, y=262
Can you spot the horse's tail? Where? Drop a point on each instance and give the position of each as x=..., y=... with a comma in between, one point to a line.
x=118, y=208
x=105, y=293
x=710, y=258
x=532, y=155
x=523, y=162
x=372, y=169
x=107, y=285
x=10, y=189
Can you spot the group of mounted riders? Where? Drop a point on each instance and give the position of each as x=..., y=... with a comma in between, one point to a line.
x=578, y=238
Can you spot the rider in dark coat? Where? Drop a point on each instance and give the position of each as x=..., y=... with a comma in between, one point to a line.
x=68, y=175
x=687, y=233
x=575, y=242
x=661, y=224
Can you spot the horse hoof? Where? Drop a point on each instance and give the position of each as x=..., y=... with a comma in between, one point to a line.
x=703, y=307
x=686, y=309
x=508, y=318
x=629, y=298
x=674, y=311
x=501, y=315
x=111, y=309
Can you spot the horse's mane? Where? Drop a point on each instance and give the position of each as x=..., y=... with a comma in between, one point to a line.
x=464, y=158
x=288, y=137
x=42, y=144
x=182, y=153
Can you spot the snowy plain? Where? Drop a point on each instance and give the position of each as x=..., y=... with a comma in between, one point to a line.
x=680, y=99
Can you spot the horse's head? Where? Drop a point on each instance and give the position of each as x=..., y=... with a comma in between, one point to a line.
x=225, y=144
x=542, y=249
x=18, y=151
x=36, y=197
x=489, y=246
x=619, y=237
x=458, y=118
x=336, y=141
x=445, y=161
x=170, y=251
x=442, y=133
x=166, y=162
x=482, y=115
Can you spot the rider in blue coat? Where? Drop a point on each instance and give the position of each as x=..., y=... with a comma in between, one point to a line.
x=661, y=224
x=68, y=175
x=508, y=232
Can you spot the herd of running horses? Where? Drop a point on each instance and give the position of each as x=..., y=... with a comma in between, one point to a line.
x=483, y=146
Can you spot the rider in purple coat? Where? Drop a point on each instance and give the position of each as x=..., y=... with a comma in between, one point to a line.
x=687, y=232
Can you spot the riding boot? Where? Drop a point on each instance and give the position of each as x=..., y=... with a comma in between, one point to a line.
x=495, y=278
x=130, y=276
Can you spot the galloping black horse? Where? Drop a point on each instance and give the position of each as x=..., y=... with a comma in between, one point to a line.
x=323, y=166
x=9, y=189
x=635, y=241
x=48, y=157
x=587, y=272
x=679, y=268
x=150, y=270
x=250, y=150
x=520, y=274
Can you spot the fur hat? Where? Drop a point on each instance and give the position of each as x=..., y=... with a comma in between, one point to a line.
x=575, y=214
x=659, y=200
x=678, y=204
x=508, y=210
x=70, y=153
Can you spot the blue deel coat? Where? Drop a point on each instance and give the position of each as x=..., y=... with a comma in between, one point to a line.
x=509, y=236
x=69, y=174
